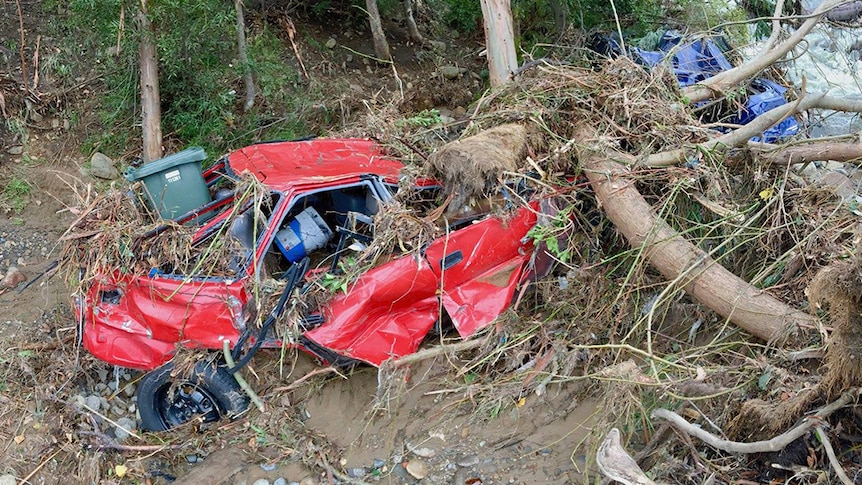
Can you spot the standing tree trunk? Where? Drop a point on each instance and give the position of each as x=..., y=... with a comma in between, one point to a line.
x=243, y=57
x=500, y=40
x=381, y=47
x=151, y=113
x=415, y=36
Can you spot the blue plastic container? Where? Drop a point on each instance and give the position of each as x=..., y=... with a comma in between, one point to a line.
x=306, y=233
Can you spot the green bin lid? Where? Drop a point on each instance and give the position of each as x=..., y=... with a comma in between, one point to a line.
x=189, y=155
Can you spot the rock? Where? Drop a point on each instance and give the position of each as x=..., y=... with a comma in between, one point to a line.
x=358, y=472
x=8, y=480
x=13, y=278
x=437, y=45
x=839, y=184
x=268, y=467
x=102, y=166
x=129, y=390
x=424, y=452
x=192, y=459
x=93, y=402
x=468, y=461
x=449, y=72
x=125, y=426
x=309, y=481
x=261, y=481
x=36, y=117
x=417, y=468
x=15, y=150
x=460, y=111
x=330, y=44
x=279, y=481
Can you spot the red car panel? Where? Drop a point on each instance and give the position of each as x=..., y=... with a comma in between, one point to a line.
x=285, y=166
x=159, y=310
x=385, y=314
x=480, y=266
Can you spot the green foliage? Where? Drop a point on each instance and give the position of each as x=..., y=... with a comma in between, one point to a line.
x=15, y=194
x=200, y=80
x=422, y=119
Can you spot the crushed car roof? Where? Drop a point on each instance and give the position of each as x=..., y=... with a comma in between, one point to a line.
x=284, y=166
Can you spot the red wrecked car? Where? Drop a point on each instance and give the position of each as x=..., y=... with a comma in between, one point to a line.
x=324, y=194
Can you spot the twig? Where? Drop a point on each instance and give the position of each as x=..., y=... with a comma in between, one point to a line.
x=108, y=443
x=435, y=351
x=46, y=460
x=775, y=444
x=24, y=75
x=36, y=64
x=240, y=379
x=291, y=32
x=839, y=470
x=304, y=378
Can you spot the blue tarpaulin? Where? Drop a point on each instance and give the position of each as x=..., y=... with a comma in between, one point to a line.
x=694, y=61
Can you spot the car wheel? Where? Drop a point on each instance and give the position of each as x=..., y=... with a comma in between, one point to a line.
x=209, y=392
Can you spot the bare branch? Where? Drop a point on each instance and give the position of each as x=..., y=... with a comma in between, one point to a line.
x=740, y=136
x=816, y=151
x=720, y=82
x=775, y=444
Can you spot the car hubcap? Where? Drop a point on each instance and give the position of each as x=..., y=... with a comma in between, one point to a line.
x=186, y=401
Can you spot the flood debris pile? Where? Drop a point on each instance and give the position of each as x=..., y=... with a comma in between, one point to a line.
x=767, y=224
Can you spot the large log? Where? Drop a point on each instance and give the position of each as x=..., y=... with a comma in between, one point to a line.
x=750, y=308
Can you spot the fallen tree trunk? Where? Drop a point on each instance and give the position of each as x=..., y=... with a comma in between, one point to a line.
x=750, y=308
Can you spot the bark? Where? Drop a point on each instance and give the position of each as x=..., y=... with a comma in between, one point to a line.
x=500, y=41
x=151, y=114
x=243, y=57
x=846, y=12
x=381, y=46
x=561, y=16
x=750, y=308
x=816, y=151
x=732, y=77
x=415, y=36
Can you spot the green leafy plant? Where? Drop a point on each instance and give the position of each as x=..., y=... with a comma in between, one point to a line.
x=15, y=194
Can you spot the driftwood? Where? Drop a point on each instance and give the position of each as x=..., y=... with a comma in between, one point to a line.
x=748, y=307
x=775, y=444
x=740, y=137
x=615, y=463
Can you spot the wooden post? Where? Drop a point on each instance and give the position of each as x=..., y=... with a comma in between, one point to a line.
x=151, y=113
x=499, y=40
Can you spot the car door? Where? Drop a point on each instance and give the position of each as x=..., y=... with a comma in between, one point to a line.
x=479, y=267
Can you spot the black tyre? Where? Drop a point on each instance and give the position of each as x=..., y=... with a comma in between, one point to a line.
x=208, y=393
